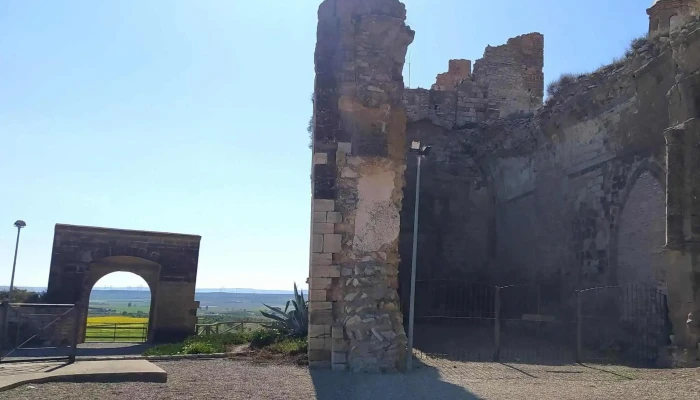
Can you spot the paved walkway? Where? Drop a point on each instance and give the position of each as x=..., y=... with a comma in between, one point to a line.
x=13, y=375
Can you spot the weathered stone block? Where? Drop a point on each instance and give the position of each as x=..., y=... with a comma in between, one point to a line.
x=334, y=217
x=345, y=147
x=317, y=243
x=320, y=259
x=339, y=345
x=319, y=306
x=325, y=271
x=337, y=332
x=324, y=317
x=320, y=217
x=321, y=158
x=319, y=355
x=318, y=343
x=316, y=331
x=324, y=205
x=320, y=364
x=339, y=357
x=339, y=367
x=332, y=243
x=317, y=295
x=323, y=228
x=320, y=283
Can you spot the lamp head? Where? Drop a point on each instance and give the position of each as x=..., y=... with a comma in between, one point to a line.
x=20, y=224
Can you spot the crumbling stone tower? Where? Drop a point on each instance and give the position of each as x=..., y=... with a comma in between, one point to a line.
x=670, y=14
x=359, y=155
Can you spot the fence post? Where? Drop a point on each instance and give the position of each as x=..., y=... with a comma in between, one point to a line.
x=579, y=325
x=74, y=338
x=218, y=328
x=497, y=326
x=4, y=310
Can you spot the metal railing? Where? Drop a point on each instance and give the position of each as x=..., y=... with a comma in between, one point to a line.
x=223, y=327
x=38, y=332
x=116, y=332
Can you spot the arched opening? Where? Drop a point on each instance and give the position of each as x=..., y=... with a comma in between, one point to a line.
x=642, y=234
x=674, y=22
x=122, y=300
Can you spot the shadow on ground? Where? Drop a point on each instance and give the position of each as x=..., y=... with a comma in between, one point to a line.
x=423, y=382
x=84, y=350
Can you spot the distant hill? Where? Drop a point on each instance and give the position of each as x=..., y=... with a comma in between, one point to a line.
x=221, y=301
x=145, y=289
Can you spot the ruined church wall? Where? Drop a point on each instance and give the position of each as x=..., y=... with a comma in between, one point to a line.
x=558, y=181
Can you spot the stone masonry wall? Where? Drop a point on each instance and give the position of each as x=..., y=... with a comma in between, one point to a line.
x=513, y=74
x=507, y=80
x=358, y=166
x=581, y=189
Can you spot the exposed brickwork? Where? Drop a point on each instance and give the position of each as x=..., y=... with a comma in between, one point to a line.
x=359, y=147
x=508, y=80
x=167, y=262
x=513, y=74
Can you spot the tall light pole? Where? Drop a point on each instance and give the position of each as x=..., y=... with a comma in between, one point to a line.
x=19, y=224
x=420, y=152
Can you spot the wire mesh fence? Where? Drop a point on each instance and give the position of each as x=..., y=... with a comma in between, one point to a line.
x=525, y=323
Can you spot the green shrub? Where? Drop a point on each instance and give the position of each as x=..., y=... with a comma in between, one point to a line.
x=164, y=350
x=264, y=337
x=557, y=85
x=198, y=348
x=293, y=322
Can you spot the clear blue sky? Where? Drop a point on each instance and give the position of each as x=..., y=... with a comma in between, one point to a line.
x=190, y=116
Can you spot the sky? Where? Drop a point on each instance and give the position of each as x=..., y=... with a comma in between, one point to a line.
x=190, y=116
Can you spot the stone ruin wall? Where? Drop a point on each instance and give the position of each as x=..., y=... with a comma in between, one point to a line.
x=357, y=180
x=571, y=194
x=507, y=80
x=552, y=190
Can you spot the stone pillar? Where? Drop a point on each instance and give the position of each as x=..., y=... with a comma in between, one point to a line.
x=675, y=186
x=359, y=163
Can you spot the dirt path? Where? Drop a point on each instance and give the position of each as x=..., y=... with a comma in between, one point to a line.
x=227, y=379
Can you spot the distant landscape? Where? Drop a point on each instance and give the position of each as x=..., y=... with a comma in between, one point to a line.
x=224, y=305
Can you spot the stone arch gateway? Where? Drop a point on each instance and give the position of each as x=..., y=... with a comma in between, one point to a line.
x=166, y=261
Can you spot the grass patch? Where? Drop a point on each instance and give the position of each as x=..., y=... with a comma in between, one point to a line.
x=202, y=344
x=289, y=346
x=269, y=341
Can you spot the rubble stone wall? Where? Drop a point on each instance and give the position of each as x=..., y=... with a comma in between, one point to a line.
x=358, y=176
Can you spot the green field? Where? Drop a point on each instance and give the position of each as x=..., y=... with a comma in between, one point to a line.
x=116, y=329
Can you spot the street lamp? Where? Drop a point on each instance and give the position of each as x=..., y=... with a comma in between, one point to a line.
x=19, y=224
x=420, y=152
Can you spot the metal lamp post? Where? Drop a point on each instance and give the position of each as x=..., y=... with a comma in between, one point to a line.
x=420, y=152
x=19, y=224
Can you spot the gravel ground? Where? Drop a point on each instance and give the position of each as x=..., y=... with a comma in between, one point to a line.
x=434, y=379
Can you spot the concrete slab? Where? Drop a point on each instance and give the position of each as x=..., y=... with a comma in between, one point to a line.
x=13, y=375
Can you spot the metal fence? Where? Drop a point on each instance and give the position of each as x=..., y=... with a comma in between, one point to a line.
x=116, y=332
x=529, y=323
x=38, y=332
x=228, y=326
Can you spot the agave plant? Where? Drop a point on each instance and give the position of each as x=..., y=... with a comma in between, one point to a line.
x=293, y=322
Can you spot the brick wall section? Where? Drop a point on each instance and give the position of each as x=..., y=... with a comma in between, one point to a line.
x=167, y=262
x=358, y=164
x=513, y=74
x=508, y=80
x=458, y=71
